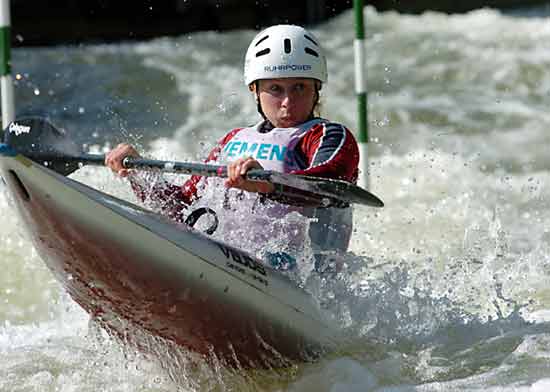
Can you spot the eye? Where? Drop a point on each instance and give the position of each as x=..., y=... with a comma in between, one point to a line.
x=274, y=88
x=299, y=87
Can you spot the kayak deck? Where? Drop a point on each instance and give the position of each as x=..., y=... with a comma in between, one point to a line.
x=132, y=269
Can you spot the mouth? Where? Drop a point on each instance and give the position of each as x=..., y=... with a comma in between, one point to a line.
x=287, y=123
x=287, y=119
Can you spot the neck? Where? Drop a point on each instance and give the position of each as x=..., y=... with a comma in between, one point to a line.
x=267, y=126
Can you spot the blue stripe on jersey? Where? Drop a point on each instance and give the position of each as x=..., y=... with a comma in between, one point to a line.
x=334, y=137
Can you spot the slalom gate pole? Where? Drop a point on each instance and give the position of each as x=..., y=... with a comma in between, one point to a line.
x=6, y=83
x=361, y=91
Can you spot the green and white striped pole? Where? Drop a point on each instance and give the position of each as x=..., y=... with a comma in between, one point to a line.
x=6, y=83
x=361, y=91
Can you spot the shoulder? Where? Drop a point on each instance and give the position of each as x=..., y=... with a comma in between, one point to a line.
x=229, y=135
x=232, y=133
x=323, y=125
x=329, y=129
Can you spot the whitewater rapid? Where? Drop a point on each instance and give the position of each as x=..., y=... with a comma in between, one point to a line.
x=446, y=287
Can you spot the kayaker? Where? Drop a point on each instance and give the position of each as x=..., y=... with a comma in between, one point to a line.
x=285, y=68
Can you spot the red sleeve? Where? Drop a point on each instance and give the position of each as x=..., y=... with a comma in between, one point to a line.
x=330, y=151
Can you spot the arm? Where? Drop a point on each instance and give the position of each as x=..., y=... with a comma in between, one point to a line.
x=172, y=200
x=330, y=151
x=153, y=190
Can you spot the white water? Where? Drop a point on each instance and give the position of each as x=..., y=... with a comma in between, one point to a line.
x=448, y=285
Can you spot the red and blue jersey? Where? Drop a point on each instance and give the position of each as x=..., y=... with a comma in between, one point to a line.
x=316, y=148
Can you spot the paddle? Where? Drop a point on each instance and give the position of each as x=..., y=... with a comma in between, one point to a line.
x=37, y=139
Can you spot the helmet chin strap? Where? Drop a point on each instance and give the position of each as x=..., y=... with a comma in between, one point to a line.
x=259, y=103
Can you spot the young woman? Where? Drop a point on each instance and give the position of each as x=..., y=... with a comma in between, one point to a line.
x=285, y=68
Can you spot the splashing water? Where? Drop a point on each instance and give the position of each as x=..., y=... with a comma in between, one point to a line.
x=446, y=288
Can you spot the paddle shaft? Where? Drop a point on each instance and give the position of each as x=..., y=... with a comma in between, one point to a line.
x=201, y=169
x=335, y=189
x=340, y=190
x=40, y=141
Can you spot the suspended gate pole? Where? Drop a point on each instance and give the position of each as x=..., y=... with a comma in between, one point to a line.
x=361, y=91
x=8, y=106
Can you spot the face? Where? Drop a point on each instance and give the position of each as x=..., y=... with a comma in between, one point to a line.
x=287, y=102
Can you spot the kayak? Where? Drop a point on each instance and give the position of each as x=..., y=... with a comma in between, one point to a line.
x=139, y=274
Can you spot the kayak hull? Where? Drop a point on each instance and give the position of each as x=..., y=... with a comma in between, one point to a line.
x=135, y=272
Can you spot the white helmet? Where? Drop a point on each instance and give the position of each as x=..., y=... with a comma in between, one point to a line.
x=284, y=51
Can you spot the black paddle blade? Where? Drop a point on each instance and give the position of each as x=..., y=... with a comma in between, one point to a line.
x=342, y=191
x=38, y=140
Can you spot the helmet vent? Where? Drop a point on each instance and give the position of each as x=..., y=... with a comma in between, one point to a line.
x=311, y=52
x=263, y=52
x=311, y=39
x=262, y=40
x=288, y=45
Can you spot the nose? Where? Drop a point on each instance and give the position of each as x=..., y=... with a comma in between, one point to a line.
x=287, y=97
x=286, y=100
